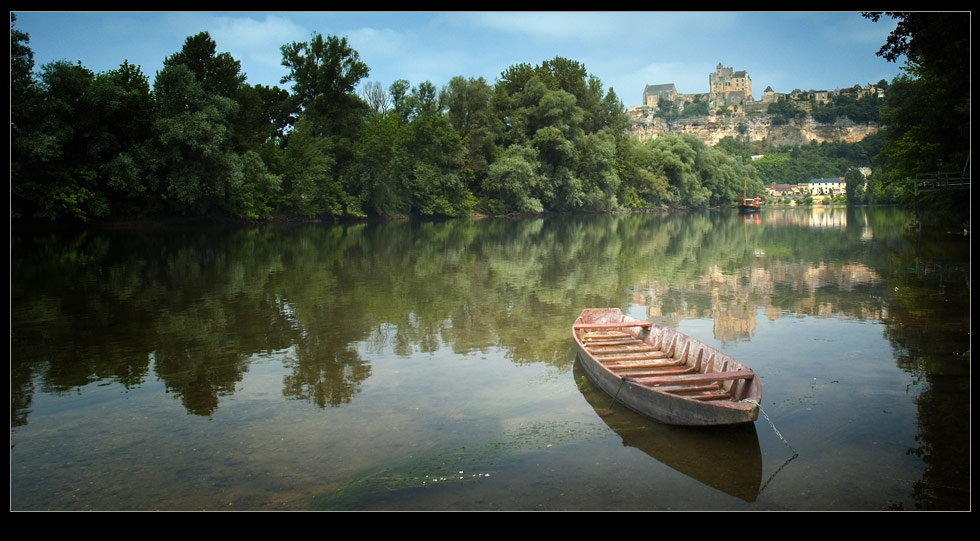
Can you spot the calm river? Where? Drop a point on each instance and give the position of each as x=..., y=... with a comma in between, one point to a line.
x=430, y=365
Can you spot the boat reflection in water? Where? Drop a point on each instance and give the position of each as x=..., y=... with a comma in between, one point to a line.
x=726, y=458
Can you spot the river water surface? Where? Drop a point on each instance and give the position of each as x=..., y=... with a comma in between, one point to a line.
x=430, y=365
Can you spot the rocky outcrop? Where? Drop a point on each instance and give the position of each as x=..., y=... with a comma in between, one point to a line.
x=714, y=128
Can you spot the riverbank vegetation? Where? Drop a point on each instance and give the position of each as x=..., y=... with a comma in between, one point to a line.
x=200, y=141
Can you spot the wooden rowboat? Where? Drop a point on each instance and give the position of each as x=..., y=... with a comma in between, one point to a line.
x=664, y=374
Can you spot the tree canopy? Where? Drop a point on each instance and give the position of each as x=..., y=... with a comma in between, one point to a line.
x=201, y=141
x=325, y=73
x=928, y=108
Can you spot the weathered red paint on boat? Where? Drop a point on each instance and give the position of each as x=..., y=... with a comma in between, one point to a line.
x=651, y=380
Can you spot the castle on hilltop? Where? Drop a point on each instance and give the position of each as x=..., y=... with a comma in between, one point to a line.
x=729, y=109
x=732, y=89
x=728, y=87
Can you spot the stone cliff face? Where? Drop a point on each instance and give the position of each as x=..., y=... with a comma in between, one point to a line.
x=712, y=129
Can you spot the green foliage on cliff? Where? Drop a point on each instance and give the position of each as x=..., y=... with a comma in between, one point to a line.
x=792, y=165
x=784, y=111
x=865, y=109
x=698, y=107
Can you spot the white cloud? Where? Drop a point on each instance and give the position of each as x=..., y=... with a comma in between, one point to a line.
x=248, y=34
x=549, y=25
x=256, y=43
x=633, y=27
x=386, y=44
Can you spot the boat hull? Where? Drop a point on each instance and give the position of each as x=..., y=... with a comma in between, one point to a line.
x=663, y=398
x=693, y=451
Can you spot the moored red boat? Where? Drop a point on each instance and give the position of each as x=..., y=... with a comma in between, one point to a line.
x=750, y=205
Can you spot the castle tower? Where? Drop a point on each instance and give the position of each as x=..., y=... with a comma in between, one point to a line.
x=728, y=86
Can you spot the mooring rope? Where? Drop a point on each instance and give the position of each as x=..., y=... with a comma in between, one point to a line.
x=795, y=453
x=749, y=400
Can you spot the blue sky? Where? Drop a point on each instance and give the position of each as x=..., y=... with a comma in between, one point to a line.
x=626, y=50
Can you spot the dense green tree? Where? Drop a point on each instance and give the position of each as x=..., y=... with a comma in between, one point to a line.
x=264, y=116
x=410, y=160
x=609, y=112
x=23, y=92
x=56, y=168
x=725, y=176
x=698, y=175
x=596, y=164
x=643, y=182
x=425, y=100
x=64, y=113
x=310, y=183
x=214, y=133
x=735, y=147
x=106, y=144
x=925, y=131
x=679, y=155
x=519, y=99
x=218, y=73
x=513, y=182
x=399, y=91
x=863, y=109
x=853, y=184
x=537, y=107
x=564, y=74
x=439, y=180
x=927, y=110
x=557, y=120
x=381, y=164
x=325, y=73
x=198, y=169
x=126, y=106
x=825, y=113
x=467, y=103
x=259, y=189
x=880, y=191
x=543, y=138
x=77, y=139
